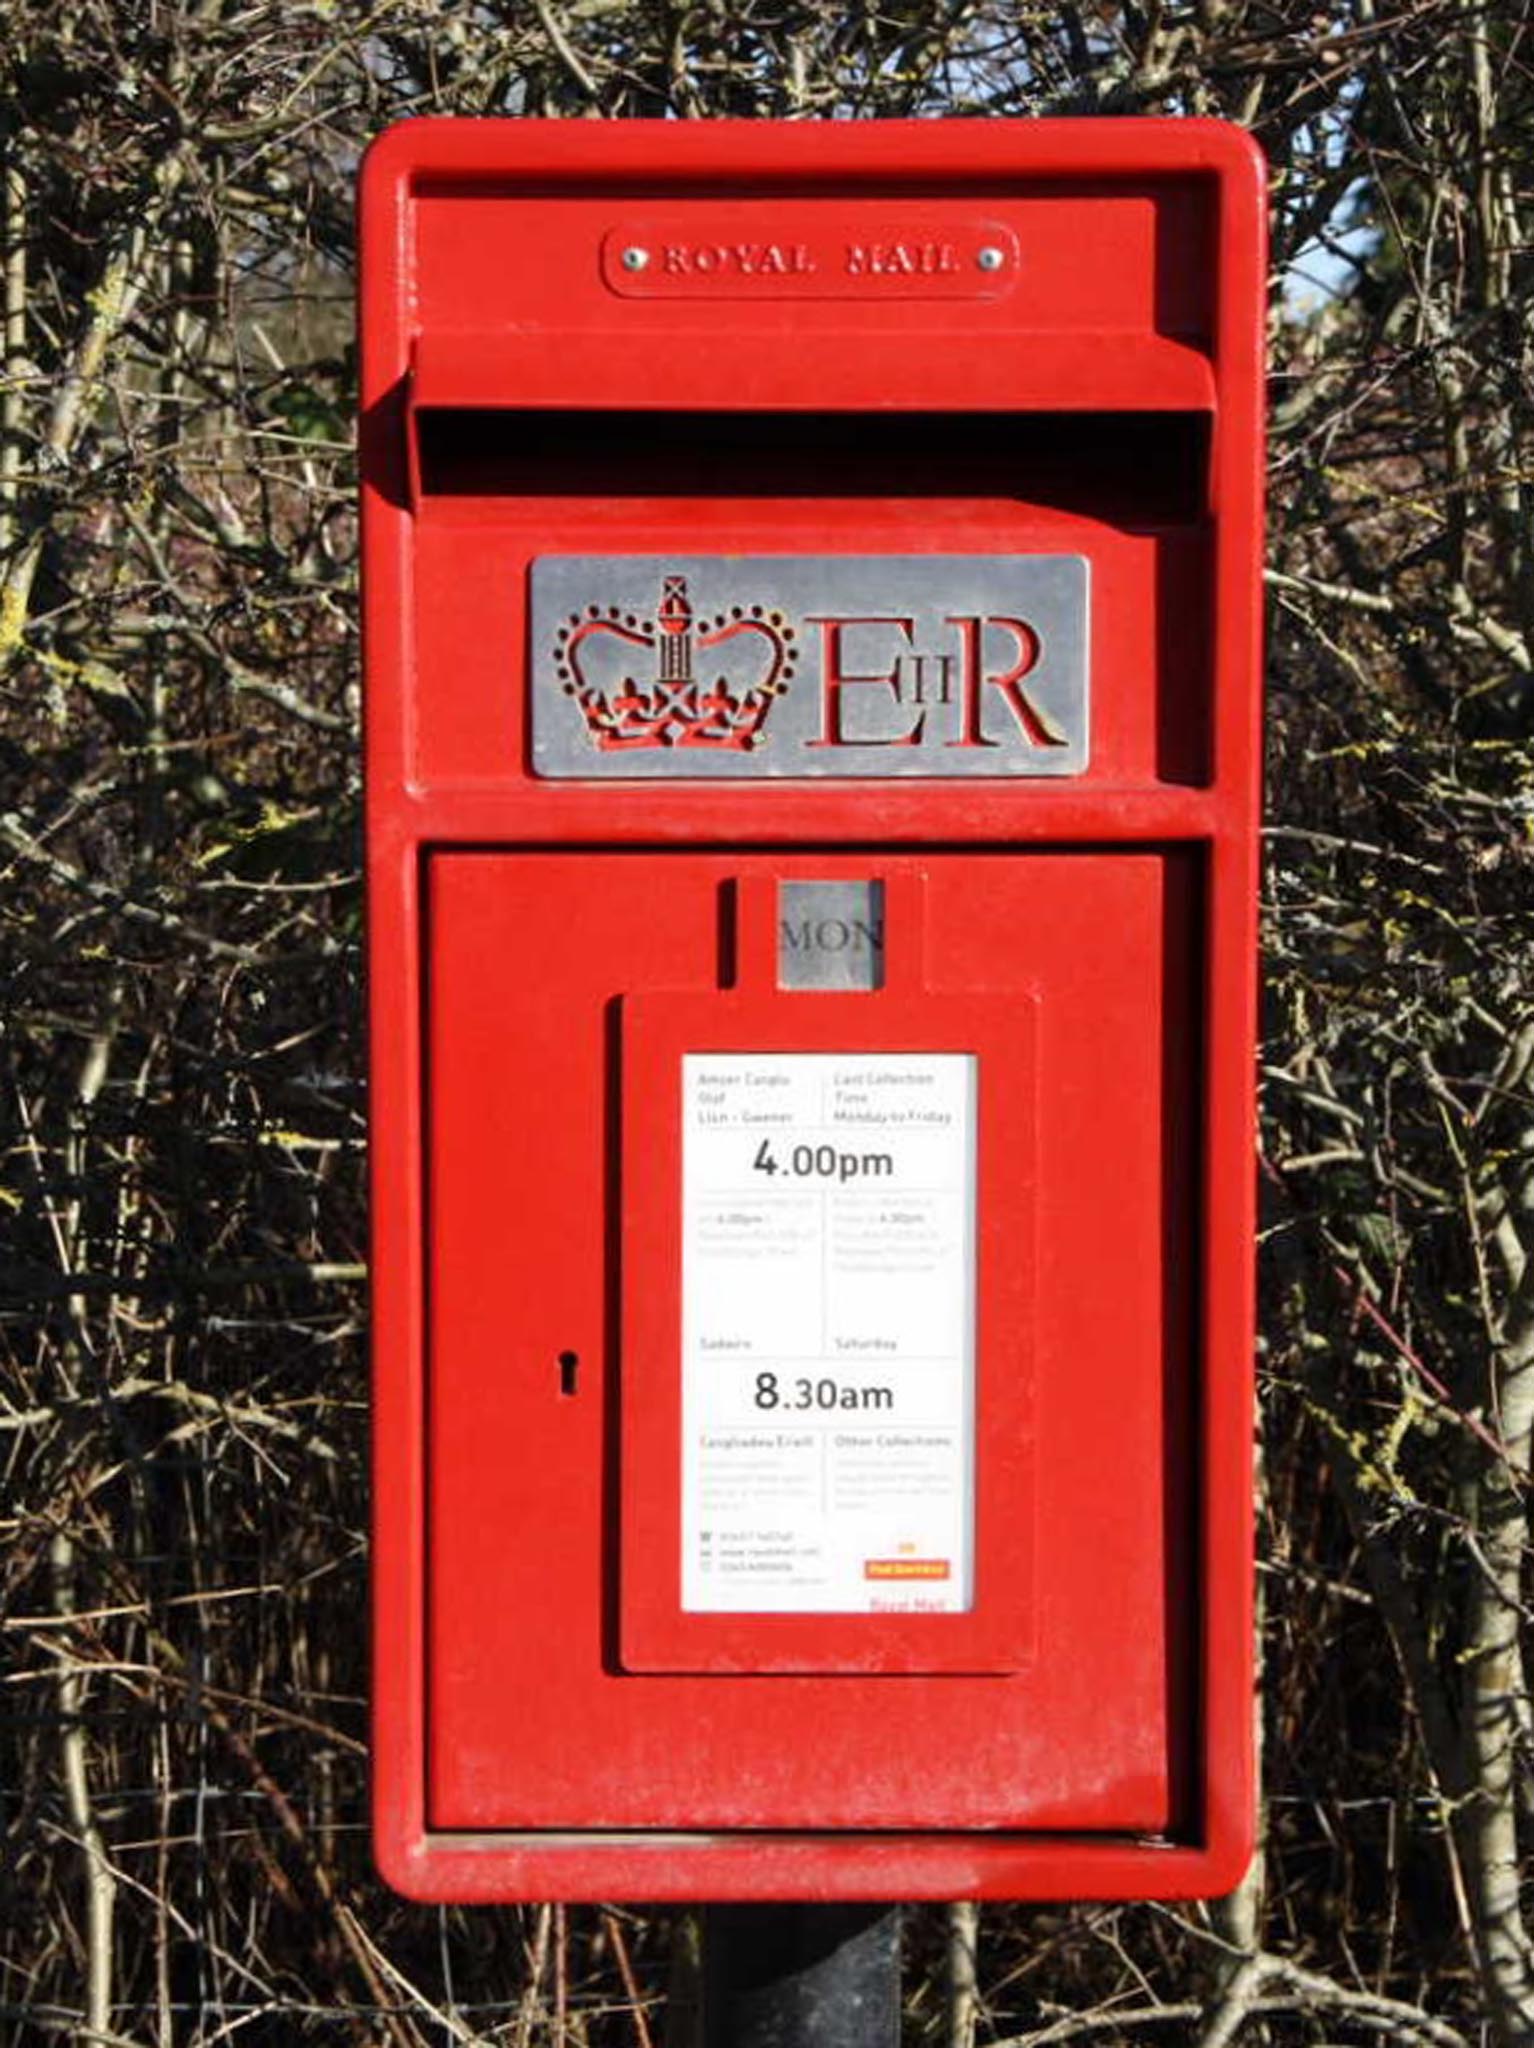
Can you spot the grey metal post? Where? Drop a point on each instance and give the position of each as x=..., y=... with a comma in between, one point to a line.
x=801, y=1976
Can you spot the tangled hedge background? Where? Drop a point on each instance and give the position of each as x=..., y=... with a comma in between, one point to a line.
x=183, y=1288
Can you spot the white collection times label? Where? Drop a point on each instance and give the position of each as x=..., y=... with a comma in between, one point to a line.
x=828, y=1333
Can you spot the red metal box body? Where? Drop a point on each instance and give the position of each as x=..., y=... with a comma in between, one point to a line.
x=960, y=426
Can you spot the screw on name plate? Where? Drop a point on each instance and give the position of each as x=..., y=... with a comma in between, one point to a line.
x=990, y=257
x=635, y=258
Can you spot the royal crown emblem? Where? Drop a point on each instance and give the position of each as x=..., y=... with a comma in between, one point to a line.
x=746, y=654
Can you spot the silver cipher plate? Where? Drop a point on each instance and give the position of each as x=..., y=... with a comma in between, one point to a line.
x=704, y=666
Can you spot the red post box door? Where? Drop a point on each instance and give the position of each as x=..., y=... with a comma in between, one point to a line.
x=556, y=1376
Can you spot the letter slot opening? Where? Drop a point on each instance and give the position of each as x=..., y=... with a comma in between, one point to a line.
x=1134, y=468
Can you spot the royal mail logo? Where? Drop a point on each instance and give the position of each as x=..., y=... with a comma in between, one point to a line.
x=746, y=652
x=805, y=666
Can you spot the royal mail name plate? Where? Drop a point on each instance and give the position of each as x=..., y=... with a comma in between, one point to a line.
x=749, y=251
x=805, y=666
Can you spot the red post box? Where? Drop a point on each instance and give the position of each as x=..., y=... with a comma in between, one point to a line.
x=812, y=634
